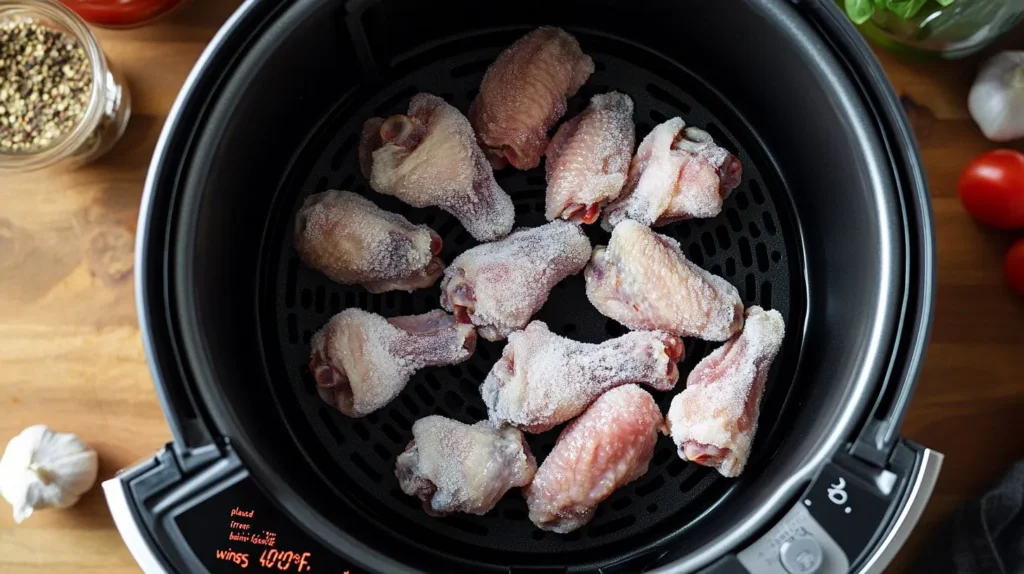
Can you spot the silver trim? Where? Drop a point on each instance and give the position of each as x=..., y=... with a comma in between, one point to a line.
x=128, y=527
x=920, y=493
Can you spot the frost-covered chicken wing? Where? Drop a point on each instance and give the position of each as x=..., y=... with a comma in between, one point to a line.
x=523, y=95
x=678, y=173
x=352, y=241
x=455, y=467
x=643, y=280
x=361, y=361
x=608, y=446
x=713, y=421
x=430, y=157
x=588, y=159
x=543, y=380
x=499, y=286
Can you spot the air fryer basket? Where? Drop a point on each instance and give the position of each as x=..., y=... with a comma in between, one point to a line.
x=815, y=231
x=754, y=244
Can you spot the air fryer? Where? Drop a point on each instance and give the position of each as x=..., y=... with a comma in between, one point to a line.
x=831, y=226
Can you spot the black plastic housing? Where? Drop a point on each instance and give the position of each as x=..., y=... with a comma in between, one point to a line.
x=788, y=81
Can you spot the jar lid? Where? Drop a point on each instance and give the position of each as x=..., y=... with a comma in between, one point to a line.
x=120, y=13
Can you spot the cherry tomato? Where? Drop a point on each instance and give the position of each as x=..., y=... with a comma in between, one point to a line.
x=1013, y=268
x=120, y=13
x=992, y=188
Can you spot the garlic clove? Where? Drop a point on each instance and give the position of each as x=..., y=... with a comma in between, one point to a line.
x=996, y=101
x=41, y=469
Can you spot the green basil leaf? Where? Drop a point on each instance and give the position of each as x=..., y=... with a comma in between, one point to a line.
x=945, y=2
x=860, y=11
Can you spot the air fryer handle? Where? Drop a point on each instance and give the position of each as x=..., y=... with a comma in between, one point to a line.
x=188, y=429
x=194, y=443
x=921, y=487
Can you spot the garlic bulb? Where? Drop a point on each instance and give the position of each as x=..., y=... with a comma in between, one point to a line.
x=996, y=101
x=45, y=469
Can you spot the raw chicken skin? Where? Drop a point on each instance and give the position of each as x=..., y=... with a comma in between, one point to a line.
x=361, y=361
x=543, y=380
x=678, y=173
x=455, y=467
x=608, y=446
x=643, y=280
x=588, y=159
x=713, y=421
x=430, y=157
x=523, y=95
x=353, y=242
x=499, y=286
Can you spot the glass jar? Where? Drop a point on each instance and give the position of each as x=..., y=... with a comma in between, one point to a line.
x=950, y=32
x=106, y=114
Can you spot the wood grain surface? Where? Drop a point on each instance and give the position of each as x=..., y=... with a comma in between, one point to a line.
x=71, y=355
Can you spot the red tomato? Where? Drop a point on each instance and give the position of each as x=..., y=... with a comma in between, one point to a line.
x=992, y=188
x=1013, y=268
x=118, y=13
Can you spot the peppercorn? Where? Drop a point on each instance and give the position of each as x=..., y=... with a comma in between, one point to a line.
x=45, y=85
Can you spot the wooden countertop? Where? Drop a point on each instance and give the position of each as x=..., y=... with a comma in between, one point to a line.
x=71, y=356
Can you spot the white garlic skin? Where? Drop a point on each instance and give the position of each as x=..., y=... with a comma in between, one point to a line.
x=45, y=469
x=996, y=101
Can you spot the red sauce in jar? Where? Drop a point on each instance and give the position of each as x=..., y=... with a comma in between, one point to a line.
x=120, y=13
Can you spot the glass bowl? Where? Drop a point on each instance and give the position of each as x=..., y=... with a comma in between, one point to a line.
x=109, y=104
x=946, y=32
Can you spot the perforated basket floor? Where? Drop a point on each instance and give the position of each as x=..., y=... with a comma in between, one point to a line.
x=752, y=244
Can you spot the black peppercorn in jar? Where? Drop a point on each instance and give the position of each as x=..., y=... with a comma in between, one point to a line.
x=60, y=101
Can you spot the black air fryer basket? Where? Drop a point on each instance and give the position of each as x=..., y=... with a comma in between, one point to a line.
x=830, y=226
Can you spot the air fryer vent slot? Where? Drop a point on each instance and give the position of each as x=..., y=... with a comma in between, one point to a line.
x=749, y=244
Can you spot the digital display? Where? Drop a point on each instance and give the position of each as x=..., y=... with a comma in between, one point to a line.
x=239, y=530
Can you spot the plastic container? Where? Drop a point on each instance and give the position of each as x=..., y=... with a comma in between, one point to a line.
x=109, y=104
x=955, y=31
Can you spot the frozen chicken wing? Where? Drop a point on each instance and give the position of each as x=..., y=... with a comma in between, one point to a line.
x=429, y=157
x=607, y=447
x=713, y=421
x=678, y=173
x=353, y=242
x=543, y=380
x=643, y=280
x=588, y=159
x=456, y=467
x=361, y=361
x=499, y=286
x=523, y=95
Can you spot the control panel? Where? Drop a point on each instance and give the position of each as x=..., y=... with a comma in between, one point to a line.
x=216, y=520
x=841, y=515
x=239, y=530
